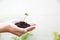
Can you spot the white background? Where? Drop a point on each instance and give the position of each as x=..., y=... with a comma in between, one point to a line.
x=45, y=13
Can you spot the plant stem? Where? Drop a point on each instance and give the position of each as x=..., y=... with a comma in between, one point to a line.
x=25, y=18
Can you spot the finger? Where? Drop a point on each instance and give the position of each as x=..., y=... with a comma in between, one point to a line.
x=31, y=27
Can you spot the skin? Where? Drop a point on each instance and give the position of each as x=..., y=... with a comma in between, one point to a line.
x=12, y=28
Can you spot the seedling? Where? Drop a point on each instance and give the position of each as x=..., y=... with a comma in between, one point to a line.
x=26, y=15
x=23, y=24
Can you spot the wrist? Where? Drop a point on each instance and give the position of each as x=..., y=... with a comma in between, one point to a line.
x=4, y=28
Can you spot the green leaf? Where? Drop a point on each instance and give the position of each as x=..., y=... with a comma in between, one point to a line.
x=15, y=38
x=25, y=36
x=59, y=37
x=55, y=35
x=26, y=14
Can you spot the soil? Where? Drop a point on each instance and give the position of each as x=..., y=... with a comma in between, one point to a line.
x=22, y=24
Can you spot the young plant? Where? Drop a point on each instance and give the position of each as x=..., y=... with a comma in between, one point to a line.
x=26, y=15
x=23, y=24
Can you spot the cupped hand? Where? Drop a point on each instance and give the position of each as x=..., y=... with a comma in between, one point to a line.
x=12, y=28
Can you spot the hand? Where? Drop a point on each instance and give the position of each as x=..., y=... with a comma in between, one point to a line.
x=12, y=28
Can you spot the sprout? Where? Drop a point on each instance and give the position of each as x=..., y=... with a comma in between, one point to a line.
x=26, y=14
x=26, y=35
